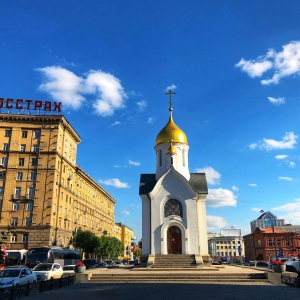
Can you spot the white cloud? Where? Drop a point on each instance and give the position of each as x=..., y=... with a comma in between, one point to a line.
x=126, y=212
x=134, y=163
x=171, y=87
x=212, y=176
x=285, y=178
x=235, y=188
x=142, y=105
x=116, y=123
x=276, y=101
x=115, y=182
x=256, y=209
x=63, y=85
x=282, y=156
x=252, y=184
x=292, y=164
x=150, y=120
x=220, y=197
x=289, y=211
x=135, y=206
x=288, y=142
x=283, y=64
x=215, y=222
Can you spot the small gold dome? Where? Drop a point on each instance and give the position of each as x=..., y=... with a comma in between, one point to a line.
x=172, y=149
x=171, y=132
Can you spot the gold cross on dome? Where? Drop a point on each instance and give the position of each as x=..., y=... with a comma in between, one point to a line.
x=170, y=92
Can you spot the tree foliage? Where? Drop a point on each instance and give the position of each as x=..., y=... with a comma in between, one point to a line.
x=104, y=247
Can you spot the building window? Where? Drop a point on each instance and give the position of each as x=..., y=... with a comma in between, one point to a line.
x=287, y=242
x=36, y=134
x=34, y=162
x=19, y=175
x=3, y=161
x=16, y=206
x=18, y=192
x=29, y=206
x=160, y=158
x=278, y=242
x=32, y=176
x=27, y=221
x=35, y=148
x=21, y=161
x=270, y=242
x=25, y=238
x=31, y=192
x=7, y=133
x=2, y=175
x=183, y=157
x=173, y=207
x=1, y=190
x=5, y=147
x=22, y=147
x=24, y=134
x=14, y=238
x=14, y=221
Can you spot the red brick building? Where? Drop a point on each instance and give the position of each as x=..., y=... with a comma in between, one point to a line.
x=261, y=244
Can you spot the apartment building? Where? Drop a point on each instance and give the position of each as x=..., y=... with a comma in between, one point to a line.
x=44, y=195
x=126, y=235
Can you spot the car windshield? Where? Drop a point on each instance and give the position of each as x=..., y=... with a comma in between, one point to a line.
x=42, y=267
x=68, y=268
x=9, y=273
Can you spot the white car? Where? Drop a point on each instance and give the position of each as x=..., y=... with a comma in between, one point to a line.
x=16, y=275
x=47, y=271
x=69, y=269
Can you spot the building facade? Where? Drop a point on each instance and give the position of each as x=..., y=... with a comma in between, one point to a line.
x=126, y=235
x=229, y=243
x=265, y=243
x=44, y=195
x=266, y=220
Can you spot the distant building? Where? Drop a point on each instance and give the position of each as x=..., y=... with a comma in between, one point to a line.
x=266, y=220
x=44, y=195
x=261, y=244
x=126, y=235
x=228, y=243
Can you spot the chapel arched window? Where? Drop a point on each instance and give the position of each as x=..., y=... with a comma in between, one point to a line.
x=173, y=207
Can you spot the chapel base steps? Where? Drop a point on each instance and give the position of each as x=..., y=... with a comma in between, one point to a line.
x=181, y=261
x=180, y=277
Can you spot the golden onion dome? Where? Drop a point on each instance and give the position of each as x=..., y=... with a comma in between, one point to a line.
x=172, y=149
x=171, y=132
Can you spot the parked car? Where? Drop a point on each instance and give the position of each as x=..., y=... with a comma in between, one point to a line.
x=118, y=262
x=125, y=262
x=102, y=265
x=262, y=264
x=91, y=263
x=16, y=275
x=46, y=271
x=69, y=269
x=109, y=262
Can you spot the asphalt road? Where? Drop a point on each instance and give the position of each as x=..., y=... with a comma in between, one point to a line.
x=164, y=291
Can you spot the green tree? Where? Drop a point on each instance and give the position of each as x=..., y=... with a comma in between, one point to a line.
x=109, y=247
x=87, y=241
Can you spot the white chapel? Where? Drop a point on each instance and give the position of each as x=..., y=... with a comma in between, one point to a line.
x=173, y=200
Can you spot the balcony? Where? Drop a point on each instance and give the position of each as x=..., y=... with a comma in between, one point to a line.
x=26, y=197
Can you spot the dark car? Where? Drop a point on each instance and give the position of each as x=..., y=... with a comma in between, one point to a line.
x=262, y=264
x=109, y=263
x=91, y=263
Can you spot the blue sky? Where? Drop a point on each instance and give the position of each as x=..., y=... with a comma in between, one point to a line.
x=234, y=66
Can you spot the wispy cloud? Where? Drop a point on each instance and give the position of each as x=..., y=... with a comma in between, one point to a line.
x=221, y=197
x=142, y=105
x=235, y=188
x=63, y=85
x=116, y=123
x=126, y=212
x=285, y=178
x=135, y=206
x=288, y=142
x=215, y=222
x=289, y=211
x=281, y=156
x=171, y=87
x=252, y=184
x=276, y=101
x=115, y=182
x=134, y=163
x=150, y=120
x=212, y=176
x=283, y=64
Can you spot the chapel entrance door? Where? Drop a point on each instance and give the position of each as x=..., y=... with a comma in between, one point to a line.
x=174, y=240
